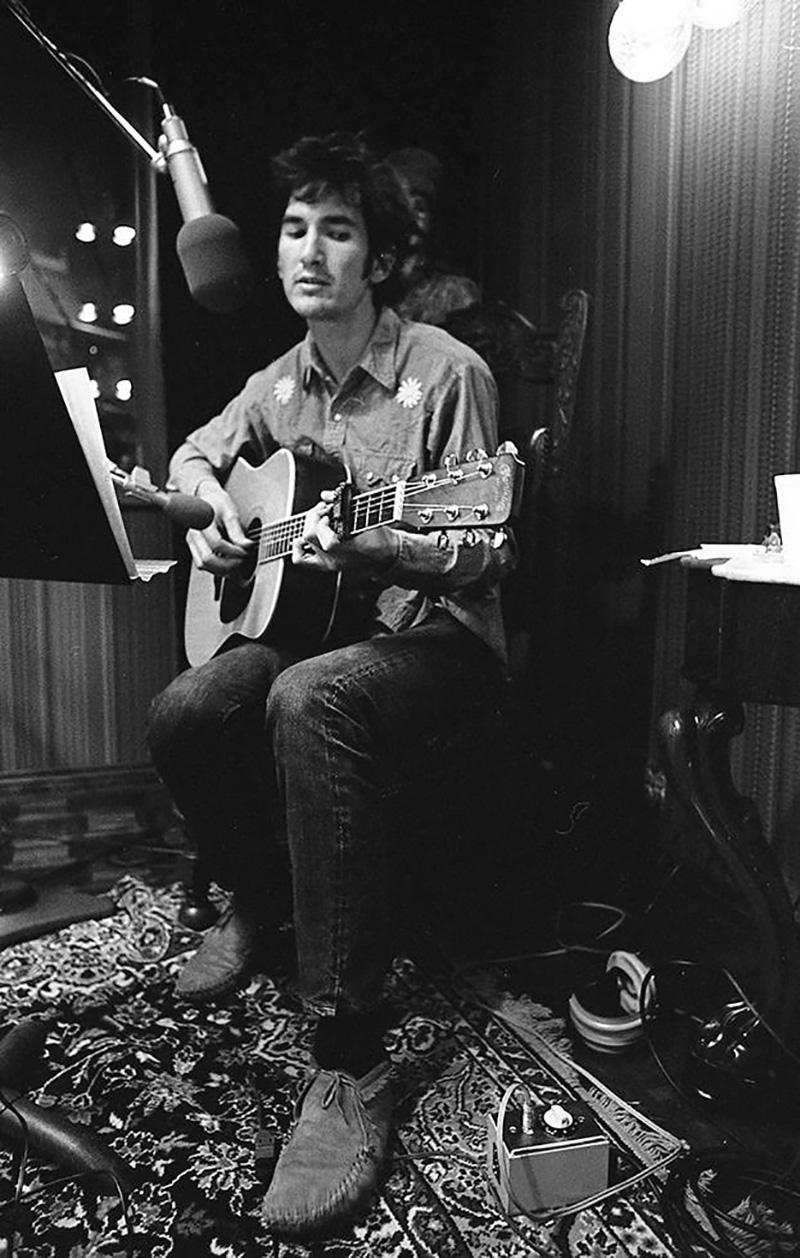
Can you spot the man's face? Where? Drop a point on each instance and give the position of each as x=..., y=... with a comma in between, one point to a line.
x=322, y=259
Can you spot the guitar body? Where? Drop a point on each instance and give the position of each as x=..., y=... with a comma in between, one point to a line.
x=268, y=597
x=274, y=601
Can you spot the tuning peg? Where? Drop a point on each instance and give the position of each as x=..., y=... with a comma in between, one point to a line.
x=507, y=447
x=475, y=456
x=450, y=461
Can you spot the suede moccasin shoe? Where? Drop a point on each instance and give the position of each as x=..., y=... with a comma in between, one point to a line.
x=227, y=955
x=332, y=1162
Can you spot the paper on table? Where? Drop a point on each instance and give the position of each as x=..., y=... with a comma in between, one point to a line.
x=710, y=551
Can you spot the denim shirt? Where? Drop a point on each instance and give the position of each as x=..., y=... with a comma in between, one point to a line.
x=417, y=396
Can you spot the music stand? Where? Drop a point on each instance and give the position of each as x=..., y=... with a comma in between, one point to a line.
x=54, y=525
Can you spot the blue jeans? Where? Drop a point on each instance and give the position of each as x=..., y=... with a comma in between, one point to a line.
x=255, y=740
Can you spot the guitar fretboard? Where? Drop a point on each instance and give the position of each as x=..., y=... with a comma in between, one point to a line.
x=366, y=511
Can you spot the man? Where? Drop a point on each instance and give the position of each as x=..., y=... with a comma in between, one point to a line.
x=267, y=728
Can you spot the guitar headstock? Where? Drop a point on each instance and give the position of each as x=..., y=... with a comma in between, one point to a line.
x=483, y=491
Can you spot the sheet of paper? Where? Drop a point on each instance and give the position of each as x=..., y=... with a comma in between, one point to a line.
x=76, y=390
x=709, y=551
x=146, y=569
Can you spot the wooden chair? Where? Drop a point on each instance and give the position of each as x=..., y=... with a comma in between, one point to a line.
x=537, y=373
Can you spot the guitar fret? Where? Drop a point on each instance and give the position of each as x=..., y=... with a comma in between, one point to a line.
x=277, y=538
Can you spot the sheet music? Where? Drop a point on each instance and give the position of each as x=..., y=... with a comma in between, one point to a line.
x=146, y=569
x=76, y=390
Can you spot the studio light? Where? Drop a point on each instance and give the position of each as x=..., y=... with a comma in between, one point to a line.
x=14, y=252
x=88, y=312
x=123, y=313
x=123, y=235
x=647, y=39
x=86, y=233
x=715, y=15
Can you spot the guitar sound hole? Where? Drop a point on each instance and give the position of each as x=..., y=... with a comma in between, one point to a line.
x=238, y=586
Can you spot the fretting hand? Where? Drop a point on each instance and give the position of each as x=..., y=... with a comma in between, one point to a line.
x=370, y=552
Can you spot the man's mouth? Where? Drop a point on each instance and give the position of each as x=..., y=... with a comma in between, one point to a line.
x=311, y=281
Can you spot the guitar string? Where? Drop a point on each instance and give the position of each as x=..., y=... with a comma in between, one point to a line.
x=282, y=533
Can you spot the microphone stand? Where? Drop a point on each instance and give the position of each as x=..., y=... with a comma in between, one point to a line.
x=62, y=59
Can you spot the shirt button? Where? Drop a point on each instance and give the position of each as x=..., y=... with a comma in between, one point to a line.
x=338, y=417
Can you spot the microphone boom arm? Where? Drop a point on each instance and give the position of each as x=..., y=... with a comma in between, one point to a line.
x=94, y=93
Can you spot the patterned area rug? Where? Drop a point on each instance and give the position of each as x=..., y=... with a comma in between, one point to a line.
x=179, y=1094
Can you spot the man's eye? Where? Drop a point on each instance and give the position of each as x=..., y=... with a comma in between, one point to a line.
x=294, y=233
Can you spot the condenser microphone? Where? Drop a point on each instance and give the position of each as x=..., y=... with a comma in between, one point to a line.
x=209, y=245
x=185, y=510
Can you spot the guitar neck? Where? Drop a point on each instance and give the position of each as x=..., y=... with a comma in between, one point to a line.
x=364, y=511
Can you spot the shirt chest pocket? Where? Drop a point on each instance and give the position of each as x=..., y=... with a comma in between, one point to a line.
x=373, y=469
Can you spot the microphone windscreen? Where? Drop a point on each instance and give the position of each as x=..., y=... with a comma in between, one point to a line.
x=51, y=1135
x=187, y=511
x=217, y=271
x=22, y=1052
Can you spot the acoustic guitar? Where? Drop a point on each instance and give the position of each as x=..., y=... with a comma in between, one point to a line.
x=268, y=597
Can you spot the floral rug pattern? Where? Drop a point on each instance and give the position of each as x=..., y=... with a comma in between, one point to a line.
x=179, y=1094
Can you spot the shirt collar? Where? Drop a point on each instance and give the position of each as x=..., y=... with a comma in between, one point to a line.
x=379, y=359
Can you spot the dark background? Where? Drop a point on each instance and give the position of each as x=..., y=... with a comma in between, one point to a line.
x=248, y=79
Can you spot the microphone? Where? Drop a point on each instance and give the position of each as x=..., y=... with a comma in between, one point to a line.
x=48, y=1132
x=185, y=510
x=209, y=245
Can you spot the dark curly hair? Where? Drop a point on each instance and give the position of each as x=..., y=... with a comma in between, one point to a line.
x=344, y=165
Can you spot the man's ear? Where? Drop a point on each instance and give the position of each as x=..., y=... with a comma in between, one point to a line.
x=382, y=266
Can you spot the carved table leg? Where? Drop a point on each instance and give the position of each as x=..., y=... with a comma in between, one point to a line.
x=736, y=1044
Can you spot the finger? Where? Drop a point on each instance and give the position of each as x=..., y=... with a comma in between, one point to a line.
x=326, y=536
x=226, y=549
x=305, y=550
x=234, y=533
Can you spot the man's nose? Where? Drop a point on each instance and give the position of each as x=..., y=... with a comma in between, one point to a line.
x=312, y=248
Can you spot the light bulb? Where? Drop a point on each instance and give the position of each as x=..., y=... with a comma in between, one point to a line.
x=647, y=39
x=716, y=14
x=14, y=251
x=123, y=313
